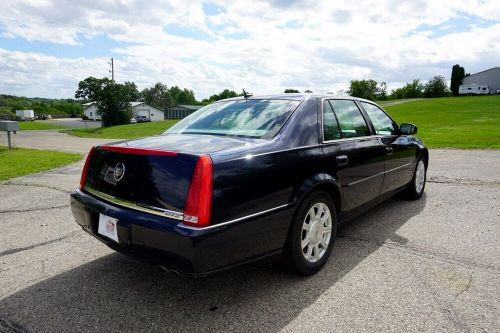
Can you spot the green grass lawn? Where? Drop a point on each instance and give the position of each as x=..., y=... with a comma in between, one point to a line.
x=38, y=125
x=454, y=122
x=129, y=131
x=19, y=161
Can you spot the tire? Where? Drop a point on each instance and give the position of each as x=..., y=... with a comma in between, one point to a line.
x=416, y=187
x=311, y=225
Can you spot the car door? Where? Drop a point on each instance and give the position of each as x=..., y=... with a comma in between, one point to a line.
x=401, y=153
x=351, y=152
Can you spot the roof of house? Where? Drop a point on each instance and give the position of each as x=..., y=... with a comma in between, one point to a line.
x=132, y=104
x=191, y=107
x=486, y=70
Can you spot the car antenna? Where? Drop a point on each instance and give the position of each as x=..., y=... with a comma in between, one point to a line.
x=246, y=95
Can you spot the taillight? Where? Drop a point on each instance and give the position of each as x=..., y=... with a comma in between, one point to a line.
x=85, y=169
x=199, y=200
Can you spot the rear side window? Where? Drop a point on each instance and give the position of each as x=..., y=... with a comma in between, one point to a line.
x=351, y=122
x=381, y=122
x=331, y=129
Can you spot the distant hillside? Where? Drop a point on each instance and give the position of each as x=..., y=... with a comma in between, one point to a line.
x=9, y=104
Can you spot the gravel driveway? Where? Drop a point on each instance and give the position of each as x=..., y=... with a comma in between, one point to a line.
x=431, y=265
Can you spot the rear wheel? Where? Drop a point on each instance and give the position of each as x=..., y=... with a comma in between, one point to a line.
x=312, y=234
x=417, y=185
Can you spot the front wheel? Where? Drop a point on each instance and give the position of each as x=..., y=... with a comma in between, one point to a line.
x=417, y=185
x=312, y=234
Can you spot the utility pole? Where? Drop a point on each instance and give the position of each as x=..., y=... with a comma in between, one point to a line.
x=112, y=71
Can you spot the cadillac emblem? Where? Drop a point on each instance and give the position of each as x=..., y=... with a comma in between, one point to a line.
x=119, y=172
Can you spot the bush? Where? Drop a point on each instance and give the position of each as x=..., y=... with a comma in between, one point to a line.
x=436, y=87
x=415, y=89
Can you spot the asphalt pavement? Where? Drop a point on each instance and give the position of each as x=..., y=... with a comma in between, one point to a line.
x=74, y=122
x=52, y=140
x=431, y=265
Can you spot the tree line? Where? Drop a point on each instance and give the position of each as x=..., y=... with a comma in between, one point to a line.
x=41, y=106
x=435, y=87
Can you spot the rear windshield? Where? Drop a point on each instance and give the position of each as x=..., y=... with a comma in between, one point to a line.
x=255, y=118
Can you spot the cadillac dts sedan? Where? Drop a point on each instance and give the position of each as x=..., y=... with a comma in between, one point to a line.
x=248, y=180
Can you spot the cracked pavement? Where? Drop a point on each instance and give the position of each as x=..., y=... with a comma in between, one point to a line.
x=430, y=265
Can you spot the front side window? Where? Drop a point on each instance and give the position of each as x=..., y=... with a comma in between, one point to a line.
x=255, y=118
x=351, y=122
x=381, y=122
x=331, y=129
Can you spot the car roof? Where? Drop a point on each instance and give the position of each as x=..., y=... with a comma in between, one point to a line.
x=298, y=97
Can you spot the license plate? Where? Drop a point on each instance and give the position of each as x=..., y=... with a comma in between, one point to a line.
x=107, y=227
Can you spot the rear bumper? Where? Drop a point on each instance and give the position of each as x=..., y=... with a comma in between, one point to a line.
x=189, y=251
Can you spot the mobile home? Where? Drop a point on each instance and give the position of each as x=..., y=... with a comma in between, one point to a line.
x=472, y=89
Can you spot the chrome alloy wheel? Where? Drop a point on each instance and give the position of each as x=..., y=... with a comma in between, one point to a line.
x=420, y=176
x=316, y=232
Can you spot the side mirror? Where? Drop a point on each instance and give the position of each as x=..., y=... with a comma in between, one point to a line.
x=407, y=129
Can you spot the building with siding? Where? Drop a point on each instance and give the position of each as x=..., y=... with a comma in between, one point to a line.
x=180, y=111
x=138, y=109
x=489, y=77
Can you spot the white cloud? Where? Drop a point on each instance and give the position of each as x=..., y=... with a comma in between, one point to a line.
x=301, y=44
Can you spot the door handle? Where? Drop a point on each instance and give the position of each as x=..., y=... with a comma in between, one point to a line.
x=389, y=150
x=342, y=160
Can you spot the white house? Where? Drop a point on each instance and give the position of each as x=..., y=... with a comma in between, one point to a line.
x=90, y=110
x=138, y=109
x=143, y=109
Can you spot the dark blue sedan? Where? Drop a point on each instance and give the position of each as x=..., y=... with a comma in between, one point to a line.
x=249, y=180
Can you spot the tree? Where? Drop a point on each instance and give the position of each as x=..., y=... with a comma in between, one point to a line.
x=291, y=91
x=366, y=89
x=113, y=104
x=132, y=91
x=90, y=88
x=381, y=93
x=182, y=96
x=457, y=76
x=112, y=99
x=436, y=87
x=308, y=91
x=414, y=89
x=157, y=96
x=226, y=93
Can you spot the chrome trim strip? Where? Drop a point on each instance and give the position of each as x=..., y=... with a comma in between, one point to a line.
x=379, y=174
x=399, y=167
x=135, y=206
x=365, y=179
x=235, y=220
x=355, y=138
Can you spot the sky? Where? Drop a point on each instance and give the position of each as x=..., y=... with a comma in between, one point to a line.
x=48, y=46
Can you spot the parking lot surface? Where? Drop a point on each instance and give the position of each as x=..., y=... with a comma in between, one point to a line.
x=74, y=122
x=53, y=140
x=430, y=265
